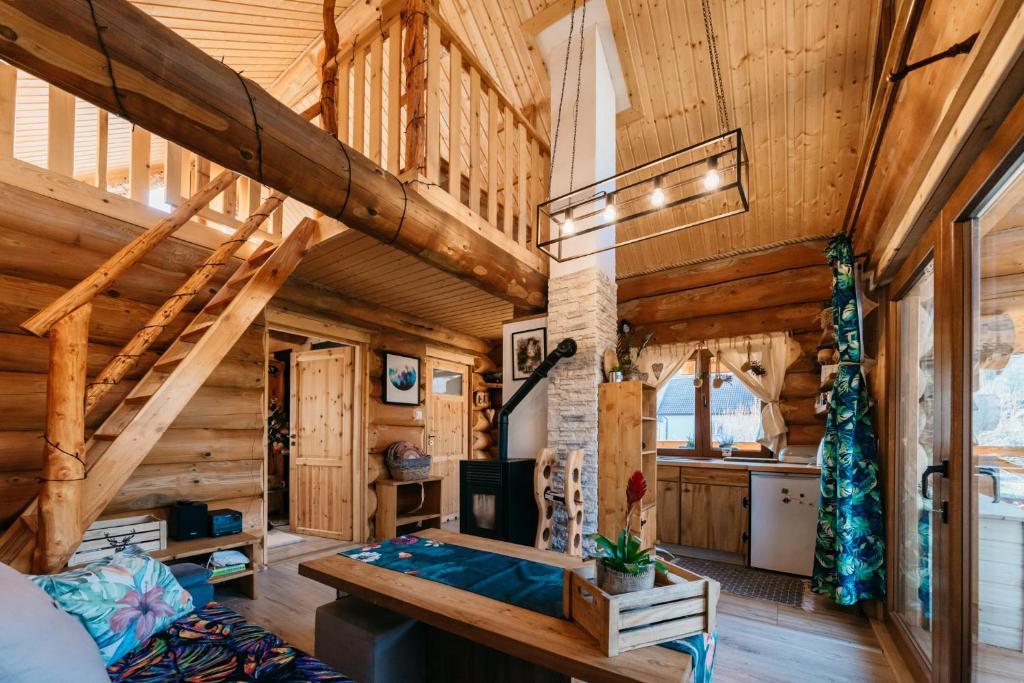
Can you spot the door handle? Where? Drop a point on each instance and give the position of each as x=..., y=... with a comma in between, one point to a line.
x=989, y=471
x=943, y=469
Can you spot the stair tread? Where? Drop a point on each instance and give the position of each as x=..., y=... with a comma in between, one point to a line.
x=168, y=363
x=137, y=400
x=221, y=302
x=195, y=331
x=261, y=254
x=105, y=437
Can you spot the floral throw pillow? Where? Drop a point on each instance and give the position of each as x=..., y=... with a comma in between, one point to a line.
x=121, y=600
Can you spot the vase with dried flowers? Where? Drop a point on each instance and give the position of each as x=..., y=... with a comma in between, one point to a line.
x=629, y=346
x=622, y=565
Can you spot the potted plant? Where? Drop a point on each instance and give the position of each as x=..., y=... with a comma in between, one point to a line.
x=622, y=565
x=629, y=350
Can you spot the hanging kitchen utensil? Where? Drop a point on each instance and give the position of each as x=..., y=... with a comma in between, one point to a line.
x=719, y=380
x=746, y=366
x=698, y=375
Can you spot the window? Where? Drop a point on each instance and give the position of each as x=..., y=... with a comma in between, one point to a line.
x=710, y=417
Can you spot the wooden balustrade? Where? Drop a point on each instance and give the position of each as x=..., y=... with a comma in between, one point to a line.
x=413, y=98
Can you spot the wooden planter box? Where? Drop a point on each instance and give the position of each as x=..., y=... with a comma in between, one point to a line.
x=681, y=604
x=106, y=537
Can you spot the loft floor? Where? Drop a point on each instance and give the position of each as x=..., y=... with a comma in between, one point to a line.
x=758, y=640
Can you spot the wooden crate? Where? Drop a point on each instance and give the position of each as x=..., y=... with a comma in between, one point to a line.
x=681, y=604
x=105, y=537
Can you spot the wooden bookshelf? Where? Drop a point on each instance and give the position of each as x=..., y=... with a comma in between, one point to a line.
x=245, y=542
x=406, y=506
x=626, y=442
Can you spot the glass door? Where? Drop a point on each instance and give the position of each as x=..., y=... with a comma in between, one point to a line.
x=915, y=462
x=994, y=534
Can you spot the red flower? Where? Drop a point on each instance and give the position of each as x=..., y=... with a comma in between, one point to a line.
x=636, y=488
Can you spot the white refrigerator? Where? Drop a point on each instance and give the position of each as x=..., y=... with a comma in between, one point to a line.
x=783, y=521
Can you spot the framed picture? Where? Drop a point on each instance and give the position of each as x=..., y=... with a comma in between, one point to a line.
x=401, y=379
x=528, y=349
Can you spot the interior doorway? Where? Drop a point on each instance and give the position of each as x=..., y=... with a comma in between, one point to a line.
x=447, y=421
x=316, y=426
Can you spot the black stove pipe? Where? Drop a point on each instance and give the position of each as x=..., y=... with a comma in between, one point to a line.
x=565, y=349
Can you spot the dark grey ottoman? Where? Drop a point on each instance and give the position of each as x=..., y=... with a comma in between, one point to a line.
x=368, y=643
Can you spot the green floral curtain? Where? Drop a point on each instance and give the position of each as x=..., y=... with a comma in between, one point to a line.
x=850, y=553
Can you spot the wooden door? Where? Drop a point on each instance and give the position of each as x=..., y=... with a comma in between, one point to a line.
x=694, y=508
x=727, y=519
x=668, y=512
x=326, y=425
x=447, y=427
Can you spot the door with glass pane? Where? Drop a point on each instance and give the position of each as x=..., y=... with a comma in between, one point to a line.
x=447, y=427
x=994, y=463
x=914, y=518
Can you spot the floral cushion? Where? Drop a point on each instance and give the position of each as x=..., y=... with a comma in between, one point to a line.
x=121, y=600
x=216, y=645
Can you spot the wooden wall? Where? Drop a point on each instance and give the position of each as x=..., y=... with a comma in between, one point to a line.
x=784, y=289
x=213, y=451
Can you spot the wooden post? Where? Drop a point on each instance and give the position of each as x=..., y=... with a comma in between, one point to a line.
x=60, y=502
x=8, y=102
x=394, y=96
x=329, y=71
x=376, y=98
x=433, y=103
x=102, y=147
x=85, y=290
x=474, y=139
x=60, y=139
x=138, y=165
x=414, y=18
x=455, y=124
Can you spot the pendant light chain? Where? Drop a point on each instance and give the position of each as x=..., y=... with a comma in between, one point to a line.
x=716, y=66
x=561, y=97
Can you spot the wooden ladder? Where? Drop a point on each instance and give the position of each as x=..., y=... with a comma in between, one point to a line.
x=128, y=434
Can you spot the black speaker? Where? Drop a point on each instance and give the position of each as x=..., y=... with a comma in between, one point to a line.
x=187, y=520
x=225, y=522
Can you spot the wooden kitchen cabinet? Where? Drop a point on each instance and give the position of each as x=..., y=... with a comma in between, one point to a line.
x=668, y=512
x=714, y=516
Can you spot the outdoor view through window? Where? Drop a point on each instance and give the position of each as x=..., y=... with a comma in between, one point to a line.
x=705, y=408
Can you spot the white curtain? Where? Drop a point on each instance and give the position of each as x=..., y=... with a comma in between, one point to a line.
x=663, y=361
x=775, y=352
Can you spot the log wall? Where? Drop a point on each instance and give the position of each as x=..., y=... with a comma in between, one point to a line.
x=784, y=289
x=213, y=451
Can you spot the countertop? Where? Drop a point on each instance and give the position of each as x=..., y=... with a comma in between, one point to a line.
x=745, y=465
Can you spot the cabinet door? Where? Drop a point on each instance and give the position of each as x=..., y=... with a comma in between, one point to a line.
x=728, y=519
x=694, y=511
x=668, y=512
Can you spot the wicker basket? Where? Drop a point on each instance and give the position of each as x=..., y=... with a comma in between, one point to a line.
x=406, y=462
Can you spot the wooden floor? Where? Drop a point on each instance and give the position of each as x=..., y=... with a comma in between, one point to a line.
x=758, y=640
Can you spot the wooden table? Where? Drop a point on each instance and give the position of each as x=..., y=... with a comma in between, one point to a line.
x=547, y=641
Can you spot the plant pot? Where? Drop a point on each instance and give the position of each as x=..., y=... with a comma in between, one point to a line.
x=614, y=582
x=631, y=374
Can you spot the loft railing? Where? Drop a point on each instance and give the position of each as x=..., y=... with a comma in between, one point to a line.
x=45, y=126
x=414, y=98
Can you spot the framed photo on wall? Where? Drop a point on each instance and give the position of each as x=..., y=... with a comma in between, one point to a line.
x=528, y=349
x=401, y=379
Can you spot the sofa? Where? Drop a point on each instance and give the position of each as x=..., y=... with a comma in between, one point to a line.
x=129, y=618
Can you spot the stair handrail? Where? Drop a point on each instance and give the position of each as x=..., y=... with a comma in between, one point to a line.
x=126, y=359
x=82, y=293
x=565, y=349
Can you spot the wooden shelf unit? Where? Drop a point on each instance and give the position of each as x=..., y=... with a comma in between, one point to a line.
x=406, y=506
x=244, y=542
x=627, y=432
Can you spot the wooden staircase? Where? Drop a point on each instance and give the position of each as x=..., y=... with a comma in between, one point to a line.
x=128, y=434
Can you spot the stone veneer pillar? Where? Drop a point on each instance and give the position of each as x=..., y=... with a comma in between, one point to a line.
x=581, y=305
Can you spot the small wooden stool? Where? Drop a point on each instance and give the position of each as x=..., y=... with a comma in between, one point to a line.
x=571, y=498
x=369, y=644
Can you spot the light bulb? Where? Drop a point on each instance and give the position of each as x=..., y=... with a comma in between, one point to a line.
x=658, y=197
x=712, y=179
x=609, y=211
x=568, y=227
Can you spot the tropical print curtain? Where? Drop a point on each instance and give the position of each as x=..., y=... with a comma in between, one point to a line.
x=850, y=553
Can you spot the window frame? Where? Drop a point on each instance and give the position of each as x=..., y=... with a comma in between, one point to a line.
x=702, y=436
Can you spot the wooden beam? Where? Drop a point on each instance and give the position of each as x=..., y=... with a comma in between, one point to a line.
x=182, y=94
x=772, y=319
x=799, y=285
x=415, y=51
x=60, y=496
x=305, y=296
x=84, y=291
x=722, y=270
x=8, y=104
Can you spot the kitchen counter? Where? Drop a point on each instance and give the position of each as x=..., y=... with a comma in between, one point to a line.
x=740, y=465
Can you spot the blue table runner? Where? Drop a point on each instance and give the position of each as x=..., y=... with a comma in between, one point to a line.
x=524, y=583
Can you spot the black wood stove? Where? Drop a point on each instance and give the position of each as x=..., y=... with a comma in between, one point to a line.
x=496, y=496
